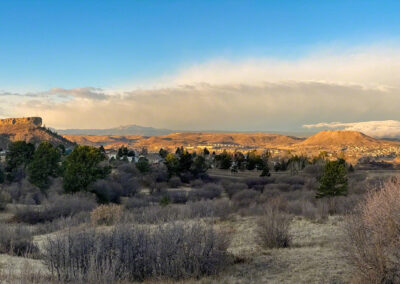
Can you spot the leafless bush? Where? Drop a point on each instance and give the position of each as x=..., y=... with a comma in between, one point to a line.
x=16, y=240
x=231, y=188
x=314, y=170
x=372, y=242
x=175, y=182
x=244, y=198
x=63, y=222
x=208, y=191
x=172, y=251
x=135, y=202
x=178, y=196
x=313, y=211
x=208, y=208
x=5, y=198
x=259, y=183
x=277, y=187
x=152, y=215
x=196, y=183
x=292, y=180
x=56, y=207
x=191, y=210
x=24, y=192
x=107, y=190
x=273, y=228
x=106, y=214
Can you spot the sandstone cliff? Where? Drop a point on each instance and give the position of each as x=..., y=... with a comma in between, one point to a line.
x=28, y=129
x=24, y=121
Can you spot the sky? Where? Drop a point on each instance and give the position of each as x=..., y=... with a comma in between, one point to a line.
x=196, y=65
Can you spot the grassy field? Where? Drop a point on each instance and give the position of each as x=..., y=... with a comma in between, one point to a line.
x=313, y=257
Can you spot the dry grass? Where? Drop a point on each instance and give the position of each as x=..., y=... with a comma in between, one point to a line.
x=106, y=215
x=312, y=258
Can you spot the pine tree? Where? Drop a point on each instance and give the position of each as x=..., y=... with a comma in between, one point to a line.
x=334, y=179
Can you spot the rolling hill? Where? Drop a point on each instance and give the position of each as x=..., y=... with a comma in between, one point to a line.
x=187, y=139
x=341, y=138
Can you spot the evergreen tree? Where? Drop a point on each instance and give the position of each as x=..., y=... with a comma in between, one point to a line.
x=265, y=172
x=19, y=155
x=224, y=160
x=45, y=164
x=163, y=153
x=199, y=166
x=143, y=165
x=102, y=150
x=172, y=163
x=240, y=160
x=83, y=167
x=334, y=179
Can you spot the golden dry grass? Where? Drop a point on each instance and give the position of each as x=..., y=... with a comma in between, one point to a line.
x=314, y=256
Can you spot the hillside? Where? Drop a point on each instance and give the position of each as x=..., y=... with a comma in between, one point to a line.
x=258, y=140
x=341, y=138
x=28, y=129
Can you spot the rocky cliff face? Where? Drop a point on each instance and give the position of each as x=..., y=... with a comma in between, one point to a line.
x=28, y=129
x=24, y=121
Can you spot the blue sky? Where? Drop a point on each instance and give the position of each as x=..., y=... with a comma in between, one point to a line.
x=46, y=44
x=216, y=65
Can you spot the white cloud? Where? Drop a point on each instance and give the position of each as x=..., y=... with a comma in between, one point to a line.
x=254, y=94
x=375, y=66
x=385, y=128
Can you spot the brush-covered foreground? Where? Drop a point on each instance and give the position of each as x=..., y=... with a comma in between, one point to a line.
x=213, y=230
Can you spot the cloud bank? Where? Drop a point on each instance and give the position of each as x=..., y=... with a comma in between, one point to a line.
x=254, y=94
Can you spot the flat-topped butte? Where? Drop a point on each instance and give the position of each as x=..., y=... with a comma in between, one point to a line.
x=26, y=121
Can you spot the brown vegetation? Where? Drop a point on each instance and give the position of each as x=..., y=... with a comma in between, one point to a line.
x=372, y=241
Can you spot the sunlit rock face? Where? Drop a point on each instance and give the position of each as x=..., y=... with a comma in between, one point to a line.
x=25, y=121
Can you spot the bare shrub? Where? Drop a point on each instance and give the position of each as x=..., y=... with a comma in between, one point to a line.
x=208, y=191
x=314, y=170
x=24, y=192
x=259, y=183
x=156, y=214
x=277, y=187
x=232, y=188
x=177, y=196
x=175, y=182
x=244, y=198
x=173, y=251
x=208, y=208
x=16, y=240
x=273, y=228
x=5, y=198
x=106, y=215
x=135, y=202
x=307, y=209
x=372, y=242
x=107, y=191
x=56, y=207
x=63, y=222
x=292, y=180
x=196, y=183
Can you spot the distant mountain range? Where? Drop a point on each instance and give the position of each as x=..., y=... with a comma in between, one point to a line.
x=121, y=130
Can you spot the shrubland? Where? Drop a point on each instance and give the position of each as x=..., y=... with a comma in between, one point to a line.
x=94, y=220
